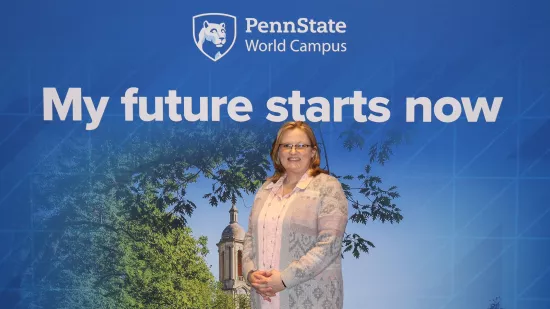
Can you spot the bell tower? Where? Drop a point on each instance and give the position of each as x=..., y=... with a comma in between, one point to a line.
x=230, y=249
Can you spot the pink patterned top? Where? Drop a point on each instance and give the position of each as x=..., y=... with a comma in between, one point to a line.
x=309, y=247
x=270, y=223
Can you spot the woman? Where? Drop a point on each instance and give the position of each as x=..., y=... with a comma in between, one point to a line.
x=292, y=250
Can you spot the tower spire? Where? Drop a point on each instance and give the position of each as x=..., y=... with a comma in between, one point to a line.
x=230, y=250
x=233, y=214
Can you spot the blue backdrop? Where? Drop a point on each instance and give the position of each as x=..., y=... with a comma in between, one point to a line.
x=474, y=195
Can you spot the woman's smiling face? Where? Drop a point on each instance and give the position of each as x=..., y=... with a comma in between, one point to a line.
x=294, y=160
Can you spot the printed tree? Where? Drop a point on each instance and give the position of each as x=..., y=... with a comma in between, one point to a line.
x=116, y=216
x=370, y=200
x=495, y=304
x=115, y=212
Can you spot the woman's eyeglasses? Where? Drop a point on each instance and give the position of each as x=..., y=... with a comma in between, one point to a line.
x=298, y=147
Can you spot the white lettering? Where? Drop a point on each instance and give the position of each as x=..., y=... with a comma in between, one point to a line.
x=95, y=114
x=173, y=100
x=472, y=114
x=73, y=99
x=324, y=110
x=157, y=114
x=51, y=98
x=188, y=109
x=297, y=101
x=426, y=108
x=481, y=104
x=438, y=109
x=233, y=109
x=374, y=106
x=273, y=107
x=129, y=100
x=358, y=101
x=302, y=25
x=216, y=104
x=250, y=23
x=338, y=103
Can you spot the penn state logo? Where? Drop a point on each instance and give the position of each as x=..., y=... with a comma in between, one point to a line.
x=214, y=34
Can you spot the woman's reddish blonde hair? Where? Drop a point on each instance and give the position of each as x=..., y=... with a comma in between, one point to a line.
x=314, y=168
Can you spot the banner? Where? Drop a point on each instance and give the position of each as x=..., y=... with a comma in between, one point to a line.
x=142, y=163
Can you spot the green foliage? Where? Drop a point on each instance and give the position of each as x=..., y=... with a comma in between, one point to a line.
x=242, y=301
x=115, y=214
x=162, y=270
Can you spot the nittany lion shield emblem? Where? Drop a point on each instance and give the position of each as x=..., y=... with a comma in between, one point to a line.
x=214, y=34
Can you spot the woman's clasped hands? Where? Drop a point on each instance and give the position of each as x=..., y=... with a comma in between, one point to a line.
x=267, y=283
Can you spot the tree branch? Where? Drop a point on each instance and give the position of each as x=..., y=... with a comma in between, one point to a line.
x=104, y=225
x=324, y=147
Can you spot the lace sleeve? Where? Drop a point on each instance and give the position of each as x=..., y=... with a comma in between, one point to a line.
x=332, y=218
